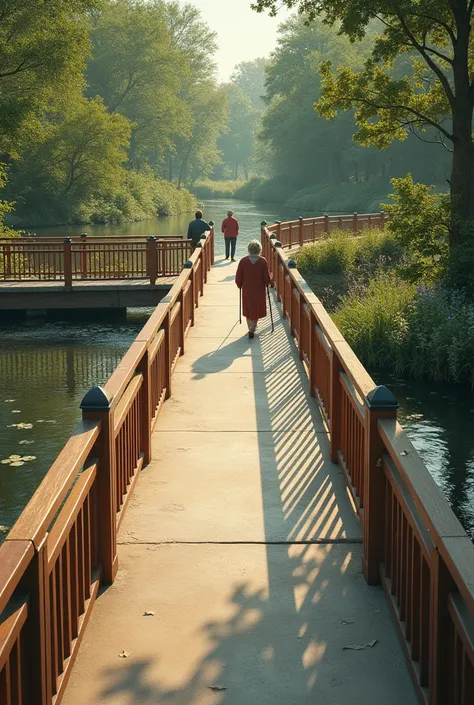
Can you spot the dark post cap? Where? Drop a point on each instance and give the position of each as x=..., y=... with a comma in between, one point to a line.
x=67, y=239
x=277, y=243
x=199, y=244
x=150, y=239
x=355, y=213
x=273, y=236
x=83, y=234
x=188, y=264
x=300, y=217
x=211, y=223
x=291, y=264
x=382, y=398
x=96, y=399
x=203, y=237
x=264, y=223
x=278, y=222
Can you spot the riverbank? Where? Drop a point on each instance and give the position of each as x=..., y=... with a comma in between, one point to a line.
x=318, y=198
x=140, y=197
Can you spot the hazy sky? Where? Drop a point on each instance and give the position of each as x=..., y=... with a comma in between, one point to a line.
x=243, y=34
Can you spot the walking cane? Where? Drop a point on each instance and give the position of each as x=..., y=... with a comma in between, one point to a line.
x=270, y=307
x=240, y=306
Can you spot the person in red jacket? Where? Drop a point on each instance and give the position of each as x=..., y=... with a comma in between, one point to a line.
x=230, y=228
x=253, y=277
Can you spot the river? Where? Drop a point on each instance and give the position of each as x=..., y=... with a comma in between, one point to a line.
x=46, y=368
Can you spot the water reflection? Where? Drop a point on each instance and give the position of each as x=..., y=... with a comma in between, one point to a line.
x=439, y=420
x=46, y=370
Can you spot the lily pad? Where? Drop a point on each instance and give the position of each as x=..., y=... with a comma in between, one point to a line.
x=16, y=411
x=17, y=463
x=4, y=528
x=5, y=461
x=14, y=457
x=26, y=443
x=9, y=401
x=27, y=458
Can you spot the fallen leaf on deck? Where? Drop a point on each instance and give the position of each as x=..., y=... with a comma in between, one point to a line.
x=124, y=654
x=360, y=647
x=148, y=614
x=219, y=688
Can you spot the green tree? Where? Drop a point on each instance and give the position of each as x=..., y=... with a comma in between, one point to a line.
x=80, y=160
x=250, y=77
x=42, y=51
x=237, y=144
x=138, y=72
x=435, y=37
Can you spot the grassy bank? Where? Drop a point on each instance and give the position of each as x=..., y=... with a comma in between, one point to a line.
x=411, y=328
x=139, y=197
x=217, y=189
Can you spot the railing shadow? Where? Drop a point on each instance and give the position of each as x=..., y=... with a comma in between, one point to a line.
x=282, y=643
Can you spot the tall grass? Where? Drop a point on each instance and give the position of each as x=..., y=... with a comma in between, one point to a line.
x=341, y=252
x=206, y=188
x=416, y=330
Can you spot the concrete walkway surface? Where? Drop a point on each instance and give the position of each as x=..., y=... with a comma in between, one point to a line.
x=242, y=541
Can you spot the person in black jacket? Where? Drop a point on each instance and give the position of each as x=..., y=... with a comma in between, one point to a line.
x=196, y=228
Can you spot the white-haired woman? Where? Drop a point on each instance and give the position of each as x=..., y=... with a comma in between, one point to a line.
x=253, y=277
x=230, y=228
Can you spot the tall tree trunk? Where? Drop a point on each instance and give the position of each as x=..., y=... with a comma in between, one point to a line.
x=462, y=172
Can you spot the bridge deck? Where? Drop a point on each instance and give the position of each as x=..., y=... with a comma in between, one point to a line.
x=242, y=541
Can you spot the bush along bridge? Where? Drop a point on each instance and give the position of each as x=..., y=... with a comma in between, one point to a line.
x=262, y=522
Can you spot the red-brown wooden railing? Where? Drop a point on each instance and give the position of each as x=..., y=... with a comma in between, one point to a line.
x=64, y=543
x=412, y=542
x=93, y=259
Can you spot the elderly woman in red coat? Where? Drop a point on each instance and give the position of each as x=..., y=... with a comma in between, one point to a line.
x=253, y=277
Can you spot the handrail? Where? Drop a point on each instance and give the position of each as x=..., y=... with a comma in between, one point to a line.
x=64, y=542
x=412, y=542
x=91, y=259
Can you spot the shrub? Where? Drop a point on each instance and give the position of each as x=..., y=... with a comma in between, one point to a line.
x=373, y=320
x=217, y=189
x=422, y=331
x=342, y=253
x=419, y=222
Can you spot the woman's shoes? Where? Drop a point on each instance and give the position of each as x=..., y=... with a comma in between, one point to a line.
x=251, y=335
x=233, y=259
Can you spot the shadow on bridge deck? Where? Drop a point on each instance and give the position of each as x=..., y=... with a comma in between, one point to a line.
x=242, y=540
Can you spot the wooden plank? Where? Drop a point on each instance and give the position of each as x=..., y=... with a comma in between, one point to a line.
x=10, y=628
x=15, y=557
x=126, y=402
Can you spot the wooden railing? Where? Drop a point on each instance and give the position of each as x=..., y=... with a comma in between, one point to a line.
x=93, y=259
x=304, y=230
x=64, y=543
x=412, y=542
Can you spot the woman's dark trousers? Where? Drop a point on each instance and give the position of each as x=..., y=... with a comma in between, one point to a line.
x=230, y=245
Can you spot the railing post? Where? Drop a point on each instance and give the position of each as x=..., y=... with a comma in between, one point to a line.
x=441, y=584
x=212, y=243
x=379, y=403
x=67, y=262
x=182, y=326
x=382, y=220
x=290, y=235
x=300, y=230
x=276, y=275
x=96, y=406
x=152, y=259
x=334, y=405
x=204, y=258
x=355, y=223
x=168, y=361
x=192, y=279
x=35, y=583
x=326, y=223
x=7, y=261
x=278, y=232
x=146, y=411
x=313, y=231
x=83, y=256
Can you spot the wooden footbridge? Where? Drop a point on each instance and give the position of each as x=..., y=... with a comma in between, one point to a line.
x=238, y=522
x=84, y=272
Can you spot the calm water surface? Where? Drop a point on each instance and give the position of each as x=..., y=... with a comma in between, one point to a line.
x=47, y=368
